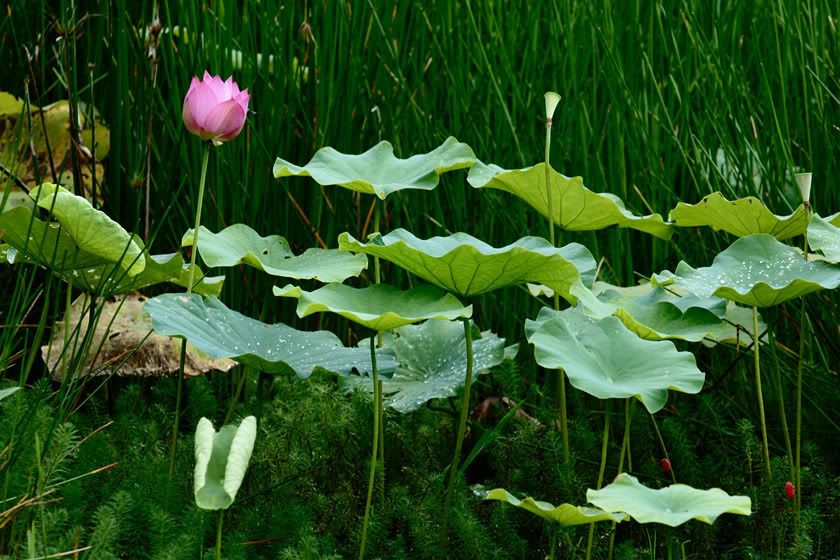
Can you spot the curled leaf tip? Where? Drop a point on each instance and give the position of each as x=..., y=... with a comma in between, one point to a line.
x=551, y=101
x=803, y=181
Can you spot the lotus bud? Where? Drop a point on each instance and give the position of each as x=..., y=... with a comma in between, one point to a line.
x=790, y=489
x=215, y=110
x=666, y=465
x=551, y=101
x=803, y=180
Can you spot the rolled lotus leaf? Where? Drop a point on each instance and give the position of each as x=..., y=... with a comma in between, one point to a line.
x=574, y=207
x=823, y=236
x=221, y=460
x=741, y=217
x=606, y=360
x=378, y=171
x=564, y=514
x=380, y=307
x=466, y=266
x=239, y=244
x=757, y=270
x=672, y=505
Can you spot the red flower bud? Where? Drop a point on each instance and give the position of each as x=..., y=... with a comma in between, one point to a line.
x=790, y=490
x=666, y=465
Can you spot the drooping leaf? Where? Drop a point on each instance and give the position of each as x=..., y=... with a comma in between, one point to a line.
x=756, y=271
x=122, y=344
x=278, y=348
x=741, y=217
x=825, y=237
x=221, y=460
x=433, y=361
x=672, y=505
x=378, y=171
x=606, y=360
x=466, y=266
x=239, y=244
x=564, y=514
x=574, y=207
x=7, y=392
x=81, y=236
x=380, y=307
x=834, y=219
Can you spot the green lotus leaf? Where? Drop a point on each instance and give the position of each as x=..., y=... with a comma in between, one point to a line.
x=380, y=307
x=672, y=505
x=756, y=271
x=91, y=230
x=834, y=219
x=432, y=360
x=741, y=217
x=239, y=244
x=466, y=266
x=220, y=332
x=221, y=460
x=8, y=392
x=825, y=237
x=606, y=360
x=378, y=171
x=575, y=207
x=564, y=514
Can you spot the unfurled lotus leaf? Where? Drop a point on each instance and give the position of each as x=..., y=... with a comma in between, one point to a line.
x=8, y=392
x=606, y=360
x=756, y=271
x=223, y=333
x=466, y=266
x=122, y=344
x=672, y=505
x=741, y=217
x=81, y=237
x=221, y=460
x=239, y=244
x=575, y=207
x=380, y=307
x=378, y=171
x=433, y=360
x=825, y=237
x=834, y=219
x=564, y=514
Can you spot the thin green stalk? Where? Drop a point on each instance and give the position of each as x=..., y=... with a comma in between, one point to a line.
x=803, y=326
x=219, y=534
x=462, y=424
x=625, y=445
x=373, y=457
x=765, y=446
x=243, y=376
x=662, y=446
x=194, y=252
x=552, y=552
x=378, y=399
x=601, y=470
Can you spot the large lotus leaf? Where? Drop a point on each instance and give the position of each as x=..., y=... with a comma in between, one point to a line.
x=378, y=171
x=606, y=360
x=834, y=219
x=564, y=514
x=741, y=217
x=757, y=271
x=574, y=207
x=221, y=459
x=466, y=266
x=825, y=237
x=122, y=344
x=380, y=307
x=223, y=333
x=82, y=237
x=8, y=392
x=672, y=505
x=239, y=244
x=433, y=359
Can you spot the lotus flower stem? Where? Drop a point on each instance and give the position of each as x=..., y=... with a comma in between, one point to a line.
x=378, y=399
x=219, y=534
x=765, y=446
x=625, y=445
x=462, y=424
x=372, y=478
x=553, y=542
x=194, y=252
x=601, y=470
x=664, y=449
x=803, y=326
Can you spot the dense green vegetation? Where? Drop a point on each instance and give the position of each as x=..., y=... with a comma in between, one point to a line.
x=662, y=102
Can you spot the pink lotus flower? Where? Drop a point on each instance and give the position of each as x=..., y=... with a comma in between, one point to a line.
x=215, y=110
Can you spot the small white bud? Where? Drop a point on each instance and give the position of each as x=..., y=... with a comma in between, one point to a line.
x=551, y=101
x=803, y=180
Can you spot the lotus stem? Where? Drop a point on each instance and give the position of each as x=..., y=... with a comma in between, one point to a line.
x=625, y=445
x=219, y=534
x=193, y=253
x=462, y=424
x=803, y=326
x=243, y=376
x=377, y=278
x=373, y=457
x=601, y=470
x=662, y=446
x=552, y=553
x=765, y=446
